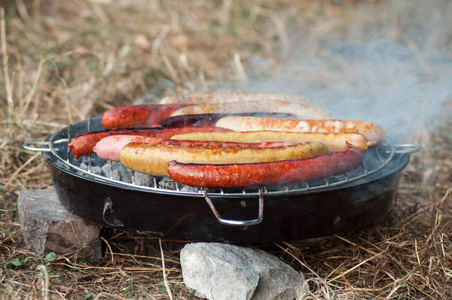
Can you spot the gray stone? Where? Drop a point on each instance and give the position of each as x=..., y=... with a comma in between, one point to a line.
x=46, y=226
x=222, y=271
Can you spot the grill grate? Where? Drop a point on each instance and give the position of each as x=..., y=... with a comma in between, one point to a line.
x=375, y=159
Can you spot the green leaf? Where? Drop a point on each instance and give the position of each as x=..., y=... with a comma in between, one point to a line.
x=49, y=258
x=17, y=263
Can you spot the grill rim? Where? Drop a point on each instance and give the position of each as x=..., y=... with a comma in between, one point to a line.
x=404, y=158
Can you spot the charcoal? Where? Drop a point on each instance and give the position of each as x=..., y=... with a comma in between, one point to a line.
x=94, y=169
x=143, y=179
x=125, y=173
x=167, y=183
x=187, y=188
x=110, y=172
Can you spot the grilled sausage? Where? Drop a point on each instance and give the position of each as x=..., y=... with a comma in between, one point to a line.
x=227, y=96
x=373, y=132
x=301, y=110
x=332, y=141
x=83, y=144
x=210, y=119
x=108, y=148
x=153, y=158
x=258, y=174
x=138, y=115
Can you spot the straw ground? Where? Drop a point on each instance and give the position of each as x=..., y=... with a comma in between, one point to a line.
x=63, y=61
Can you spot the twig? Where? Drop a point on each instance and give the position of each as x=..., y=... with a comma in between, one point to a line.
x=164, y=271
x=297, y=259
x=20, y=169
x=30, y=95
x=110, y=295
x=8, y=87
x=171, y=69
x=156, y=43
x=109, y=248
x=98, y=12
x=349, y=270
x=239, y=68
x=44, y=281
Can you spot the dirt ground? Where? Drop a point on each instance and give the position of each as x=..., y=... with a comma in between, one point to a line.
x=386, y=61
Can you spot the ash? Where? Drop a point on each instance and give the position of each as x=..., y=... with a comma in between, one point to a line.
x=168, y=183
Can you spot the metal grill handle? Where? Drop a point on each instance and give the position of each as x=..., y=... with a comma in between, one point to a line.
x=237, y=222
x=37, y=146
x=406, y=148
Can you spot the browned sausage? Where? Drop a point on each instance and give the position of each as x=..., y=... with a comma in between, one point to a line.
x=153, y=158
x=257, y=174
x=109, y=148
x=83, y=144
x=372, y=131
x=138, y=115
x=332, y=141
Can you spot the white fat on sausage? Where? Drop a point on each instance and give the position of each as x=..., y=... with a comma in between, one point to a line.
x=303, y=126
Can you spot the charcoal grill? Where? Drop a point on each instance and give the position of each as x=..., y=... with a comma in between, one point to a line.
x=163, y=208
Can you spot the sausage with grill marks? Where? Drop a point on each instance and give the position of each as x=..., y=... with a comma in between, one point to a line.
x=153, y=158
x=258, y=174
x=332, y=141
x=84, y=143
x=109, y=148
x=138, y=115
x=373, y=132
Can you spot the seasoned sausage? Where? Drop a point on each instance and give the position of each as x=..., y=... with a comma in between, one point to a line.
x=210, y=119
x=373, y=132
x=258, y=174
x=301, y=110
x=84, y=143
x=108, y=148
x=138, y=115
x=332, y=141
x=153, y=158
x=228, y=96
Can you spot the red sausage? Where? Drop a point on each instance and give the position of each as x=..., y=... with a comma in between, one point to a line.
x=84, y=144
x=256, y=174
x=138, y=115
x=211, y=119
x=109, y=148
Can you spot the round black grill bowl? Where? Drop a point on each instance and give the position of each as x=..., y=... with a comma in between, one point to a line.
x=291, y=215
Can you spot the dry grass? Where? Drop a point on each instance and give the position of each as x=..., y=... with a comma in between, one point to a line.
x=63, y=61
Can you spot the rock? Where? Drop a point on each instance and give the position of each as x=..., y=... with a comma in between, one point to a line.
x=47, y=226
x=222, y=271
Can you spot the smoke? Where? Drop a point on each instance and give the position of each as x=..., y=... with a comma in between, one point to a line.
x=390, y=66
